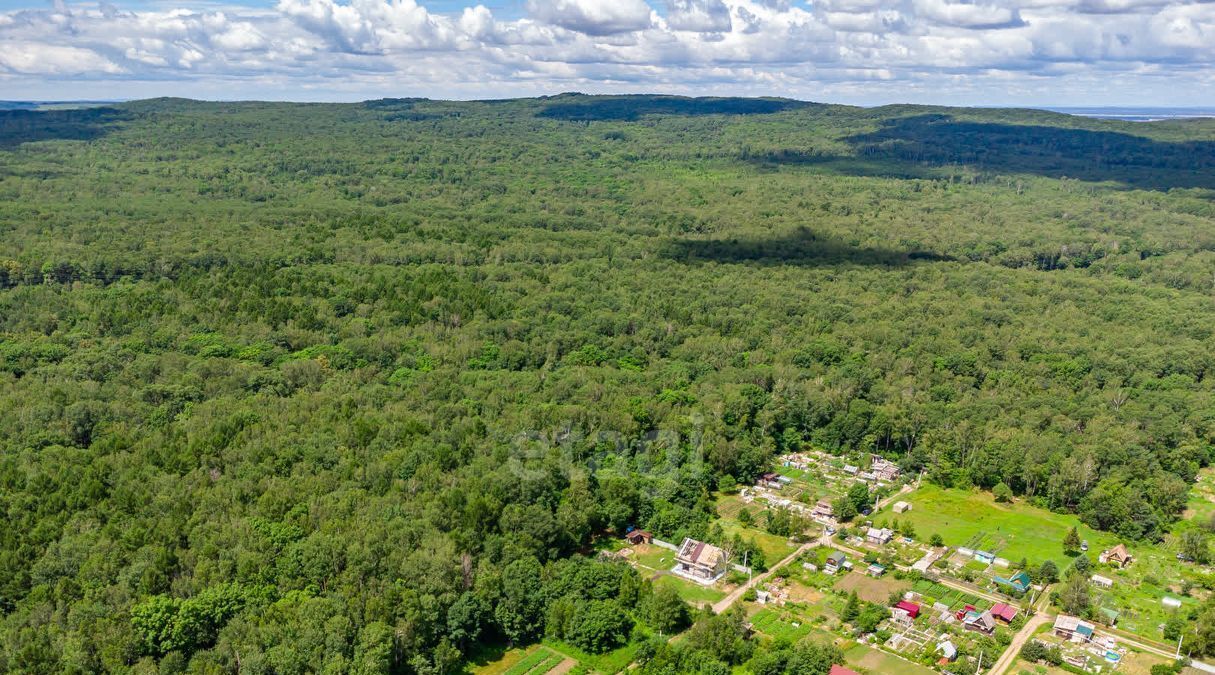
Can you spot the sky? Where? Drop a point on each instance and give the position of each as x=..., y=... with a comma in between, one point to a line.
x=865, y=52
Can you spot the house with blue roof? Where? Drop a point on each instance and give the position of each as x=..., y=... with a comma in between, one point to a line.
x=1019, y=582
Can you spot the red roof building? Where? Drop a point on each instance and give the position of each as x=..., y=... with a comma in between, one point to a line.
x=840, y=670
x=1004, y=612
x=912, y=609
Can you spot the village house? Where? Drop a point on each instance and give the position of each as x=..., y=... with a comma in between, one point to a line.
x=1115, y=556
x=700, y=561
x=947, y=651
x=1073, y=628
x=905, y=609
x=961, y=613
x=1019, y=582
x=638, y=537
x=770, y=480
x=823, y=511
x=835, y=561
x=982, y=622
x=875, y=570
x=884, y=470
x=879, y=537
x=1004, y=612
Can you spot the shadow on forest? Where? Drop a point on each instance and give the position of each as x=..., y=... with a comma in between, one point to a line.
x=802, y=247
x=77, y=124
x=909, y=146
x=629, y=108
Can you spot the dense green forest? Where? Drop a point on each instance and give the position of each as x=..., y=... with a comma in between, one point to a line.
x=293, y=388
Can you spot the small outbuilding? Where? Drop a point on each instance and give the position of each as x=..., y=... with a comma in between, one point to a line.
x=1116, y=556
x=638, y=537
x=902, y=507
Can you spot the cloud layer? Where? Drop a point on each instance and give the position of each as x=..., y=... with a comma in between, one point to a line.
x=850, y=48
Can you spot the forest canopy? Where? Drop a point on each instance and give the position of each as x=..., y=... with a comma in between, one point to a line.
x=370, y=379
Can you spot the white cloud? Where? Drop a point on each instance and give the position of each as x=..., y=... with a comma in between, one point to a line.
x=36, y=58
x=704, y=16
x=593, y=17
x=915, y=48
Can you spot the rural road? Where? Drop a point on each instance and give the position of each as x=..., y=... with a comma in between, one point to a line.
x=1027, y=631
x=724, y=604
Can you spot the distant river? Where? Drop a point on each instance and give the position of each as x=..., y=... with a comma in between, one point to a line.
x=1138, y=114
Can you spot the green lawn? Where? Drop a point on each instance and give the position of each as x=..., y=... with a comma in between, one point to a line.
x=1012, y=531
x=689, y=591
x=654, y=557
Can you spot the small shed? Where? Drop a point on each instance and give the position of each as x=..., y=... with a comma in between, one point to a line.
x=637, y=537
x=1103, y=582
x=903, y=507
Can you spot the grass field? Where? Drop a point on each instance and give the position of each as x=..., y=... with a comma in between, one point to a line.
x=876, y=661
x=689, y=591
x=870, y=589
x=1012, y=531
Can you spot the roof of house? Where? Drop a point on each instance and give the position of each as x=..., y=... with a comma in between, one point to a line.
x=908, y=606
x=771, y=476
x=1111, y=614
x=884, y=533
x=699, y=553
x=1119, y=552
x=836, y=557
x=1004, y=611
x=840, y=670
x=1073, y=623
x=981, y=619
x=947, y=649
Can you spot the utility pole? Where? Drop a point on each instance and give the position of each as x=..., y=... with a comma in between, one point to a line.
x=746, y=556
x=979, y=671
x=1179, y=639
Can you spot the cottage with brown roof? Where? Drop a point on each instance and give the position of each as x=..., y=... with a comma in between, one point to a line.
x=1116, y=556
x=700, y=561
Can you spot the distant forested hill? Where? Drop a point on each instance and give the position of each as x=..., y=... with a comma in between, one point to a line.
x=359, y=379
